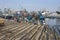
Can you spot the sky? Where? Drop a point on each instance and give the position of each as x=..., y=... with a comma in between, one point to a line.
x=30, y=5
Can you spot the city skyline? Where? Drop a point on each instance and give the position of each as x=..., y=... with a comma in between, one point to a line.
x=30, y=5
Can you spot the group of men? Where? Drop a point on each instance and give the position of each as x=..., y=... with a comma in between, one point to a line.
x=33, y=18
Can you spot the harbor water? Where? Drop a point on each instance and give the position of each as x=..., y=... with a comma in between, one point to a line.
x=52, y=22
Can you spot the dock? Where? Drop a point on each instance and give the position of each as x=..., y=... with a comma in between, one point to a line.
x=13, y=30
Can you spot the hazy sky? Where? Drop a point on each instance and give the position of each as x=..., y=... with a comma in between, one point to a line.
x=30, y=4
